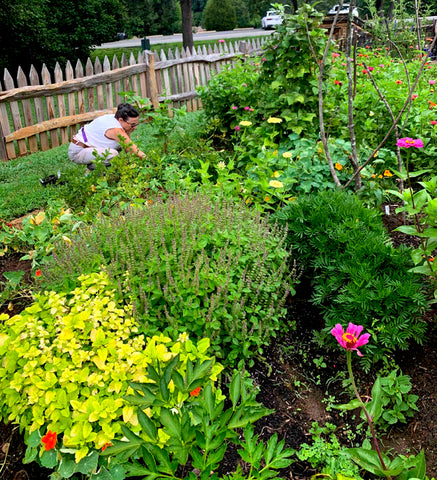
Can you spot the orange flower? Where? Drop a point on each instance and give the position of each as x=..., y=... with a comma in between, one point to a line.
x=338, y=166
x=432, y=104
x=398, y=82
x=387, y=173
x=106, y=446
x=49, y=440
x=38, y=273
x=267, y=199
x=195, y=392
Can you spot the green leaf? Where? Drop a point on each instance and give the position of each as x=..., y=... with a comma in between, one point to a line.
x=49, y=459
x=352, y=405
x=89, y=463
x=117, y=473
x=368, y=459
x=408, y=229
x=102, y=475
x=148, y=425
x=34, y=439
x=30, y=455
x=235, y=389
x=165, y=393
x=171, y=423
x=66, y=467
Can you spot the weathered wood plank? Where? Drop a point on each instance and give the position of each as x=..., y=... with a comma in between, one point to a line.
x=143, y=83
x=39, y=109
x=15, y=112
x=50, y=107
x=70, y=86
x=61, y=106
x=80, y=93
x=5, y=129
x=108, y=86
x=89, y=72
x=49, y=125
x=27, y=111
x=69, y=75
x=100, y=95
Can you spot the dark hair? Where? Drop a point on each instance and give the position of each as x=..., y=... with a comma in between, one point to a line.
x=125, y=111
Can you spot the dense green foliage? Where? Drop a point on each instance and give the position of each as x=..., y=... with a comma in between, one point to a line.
x=220, y=15
x=357, y=275
x=209, y=267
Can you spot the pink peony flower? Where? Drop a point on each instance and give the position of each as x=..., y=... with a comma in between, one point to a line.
x=237, y=128
x=351, y=340
x=246, y=108
x=408, y=142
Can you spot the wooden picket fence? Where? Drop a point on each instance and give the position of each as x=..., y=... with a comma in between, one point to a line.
x=40, y=114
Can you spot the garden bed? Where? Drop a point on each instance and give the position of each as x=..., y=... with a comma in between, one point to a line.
x=297, y=387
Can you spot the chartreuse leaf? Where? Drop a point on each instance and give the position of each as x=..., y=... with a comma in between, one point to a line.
x=352, y=405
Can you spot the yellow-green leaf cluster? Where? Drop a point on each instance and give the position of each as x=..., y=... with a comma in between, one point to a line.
x=65, y=364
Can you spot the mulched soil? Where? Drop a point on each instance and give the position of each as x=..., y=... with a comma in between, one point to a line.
x=296, y=388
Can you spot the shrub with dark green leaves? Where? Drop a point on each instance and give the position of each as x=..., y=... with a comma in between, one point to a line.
x=206, y=266
x=228, y=97
x=358, y=276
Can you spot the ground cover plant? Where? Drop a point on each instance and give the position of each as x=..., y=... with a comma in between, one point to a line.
x=152, y=280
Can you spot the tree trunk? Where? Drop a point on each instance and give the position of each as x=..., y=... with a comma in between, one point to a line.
x=187, y=24
x=294, y=3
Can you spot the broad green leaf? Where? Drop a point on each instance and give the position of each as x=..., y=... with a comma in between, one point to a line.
x=368, y=459
x=352, y=405
x=235, y=389
x=67, y=467
x=89, y=463
x=49, y=459
x=34, y=439
x=148, y=425
x=171, y=423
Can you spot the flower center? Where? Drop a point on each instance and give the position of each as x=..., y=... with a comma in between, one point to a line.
x=409, y=141
x=350, y=339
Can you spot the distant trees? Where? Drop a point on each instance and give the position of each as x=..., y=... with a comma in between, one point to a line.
x=47, y=31
x=220, y=15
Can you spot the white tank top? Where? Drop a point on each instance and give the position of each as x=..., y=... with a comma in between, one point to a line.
x=95, y=132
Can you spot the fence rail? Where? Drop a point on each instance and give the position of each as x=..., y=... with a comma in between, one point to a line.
x=37, y=113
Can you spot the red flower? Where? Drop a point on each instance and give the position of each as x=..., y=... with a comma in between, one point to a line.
x=433, y=122
x=337, y=82
x=195, y=392
x=398, y=82
x=364, y=71
x=49, y=440
x=9, y=224
x=106, y=446
x=38, y=273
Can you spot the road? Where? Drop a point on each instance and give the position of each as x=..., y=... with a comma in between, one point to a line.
x=177, y=37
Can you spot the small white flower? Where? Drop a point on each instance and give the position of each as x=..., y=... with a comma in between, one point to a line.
x=183, y=337
x=371, y=113
x=174, y=411
x=221, y=165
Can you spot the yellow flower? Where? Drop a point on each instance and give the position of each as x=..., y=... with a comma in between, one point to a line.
x=276, y=184
x=93, y=188
x=276, y=174
x=387, y=173
x=275, y=152
x=292, y=199
x=66, y=240
x=379, y=176
x=183, y=337
x=245, y=123
x=338, y=166
x=274, y=120
x=287, y=155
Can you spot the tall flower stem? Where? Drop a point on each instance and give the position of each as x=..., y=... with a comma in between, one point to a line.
x=366, y=413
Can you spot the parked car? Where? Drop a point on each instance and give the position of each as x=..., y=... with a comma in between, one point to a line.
x=344, y=10
x=271, y=19
x=121, y=36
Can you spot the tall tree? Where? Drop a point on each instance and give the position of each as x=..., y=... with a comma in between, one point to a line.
x=187, y=24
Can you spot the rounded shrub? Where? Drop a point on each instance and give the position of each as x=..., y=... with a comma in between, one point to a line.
x=220, y=15
x=207, y=266
x=357, y=274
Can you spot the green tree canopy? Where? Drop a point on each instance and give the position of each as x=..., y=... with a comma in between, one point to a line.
x=220, y=15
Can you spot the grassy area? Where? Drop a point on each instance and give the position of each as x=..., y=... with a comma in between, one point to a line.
x=118, y=52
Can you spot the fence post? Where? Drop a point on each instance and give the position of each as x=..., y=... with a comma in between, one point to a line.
x=244, y=47
x=152, y=81
x=3, y=152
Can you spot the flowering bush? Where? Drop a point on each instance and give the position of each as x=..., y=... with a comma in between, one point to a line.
x=207, y=266
x=66, y=363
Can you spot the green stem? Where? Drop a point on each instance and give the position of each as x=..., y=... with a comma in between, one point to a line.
x=366, y=413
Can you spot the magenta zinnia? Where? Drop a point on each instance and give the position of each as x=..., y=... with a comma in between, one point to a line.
x=408, y=142
x=350, y=339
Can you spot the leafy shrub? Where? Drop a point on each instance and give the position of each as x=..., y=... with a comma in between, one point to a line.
x=210, y=267
x=219, y=15
x=288, y=82
x=66, y=363
x=358, y=275
x=232, y=87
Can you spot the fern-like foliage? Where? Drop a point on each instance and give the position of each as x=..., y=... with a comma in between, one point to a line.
x=358, y=276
